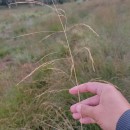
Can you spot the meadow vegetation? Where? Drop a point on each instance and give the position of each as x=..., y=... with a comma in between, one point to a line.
x=32, y=42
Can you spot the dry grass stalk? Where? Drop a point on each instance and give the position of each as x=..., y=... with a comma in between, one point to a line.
x=60, y=13
x=52, y=91
x=103, y=81
x=73, y=69
x=33, y=33
x=62, y=115
x=46, y=56
x=90, y=56
x=86, y=26
x=46, y=37
x=55, y=32
x=59, y=113
x=72, y=59
x=61, y=71
x=42, y=65
x=49, y=125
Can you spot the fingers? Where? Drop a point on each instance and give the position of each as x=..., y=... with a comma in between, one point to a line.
x=92, y=101
x=82, y=110
x=83, y=120
x=92, y=87
x=87, y=120
x=86, y=111
x=77, y=116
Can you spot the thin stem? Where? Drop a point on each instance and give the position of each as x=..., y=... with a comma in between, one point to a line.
x=72, y=59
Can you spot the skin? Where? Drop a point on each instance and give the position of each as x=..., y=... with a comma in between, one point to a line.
x=104, y=108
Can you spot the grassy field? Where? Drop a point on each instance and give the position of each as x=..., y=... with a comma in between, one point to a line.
x=36, y=68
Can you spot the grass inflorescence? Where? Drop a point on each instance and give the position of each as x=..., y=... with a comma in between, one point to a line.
x=46, y=51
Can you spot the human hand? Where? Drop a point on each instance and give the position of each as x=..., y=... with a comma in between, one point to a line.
x=105, y=108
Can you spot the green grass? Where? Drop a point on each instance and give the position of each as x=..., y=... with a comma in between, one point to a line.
x=21, y=106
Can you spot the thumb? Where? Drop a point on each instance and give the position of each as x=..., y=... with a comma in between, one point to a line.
x=86, y=110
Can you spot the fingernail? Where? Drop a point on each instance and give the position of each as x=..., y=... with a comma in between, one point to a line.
x=78, y=108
